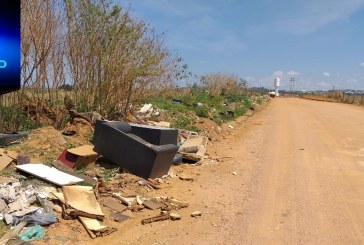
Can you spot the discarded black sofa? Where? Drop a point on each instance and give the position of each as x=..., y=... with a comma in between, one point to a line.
x=143, y=150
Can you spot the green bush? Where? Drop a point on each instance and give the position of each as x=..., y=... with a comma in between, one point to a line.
x=201, y=112
x=13, y=119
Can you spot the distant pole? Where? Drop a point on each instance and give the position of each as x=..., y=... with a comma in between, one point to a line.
x=291, y=85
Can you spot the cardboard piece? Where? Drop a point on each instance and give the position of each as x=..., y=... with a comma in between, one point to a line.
x=9, y=153
x=79, y=157
x=52, y=175
x=5, y=160
x=82, y=199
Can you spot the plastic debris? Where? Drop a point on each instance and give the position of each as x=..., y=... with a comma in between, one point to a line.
x=32, y=233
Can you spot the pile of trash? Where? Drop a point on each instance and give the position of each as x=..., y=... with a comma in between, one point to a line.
x=25, y=206
x=72, y=188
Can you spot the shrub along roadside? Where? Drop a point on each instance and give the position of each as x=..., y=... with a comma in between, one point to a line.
x=199, y=103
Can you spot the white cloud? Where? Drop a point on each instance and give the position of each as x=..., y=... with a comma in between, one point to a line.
x=326, y=74
x=311, y=15
x=362, y=64
x=292, y=73
x=278, y=74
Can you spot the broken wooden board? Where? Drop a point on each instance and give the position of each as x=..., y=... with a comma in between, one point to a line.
x=52, y=175
x=65, y=168
x=118, y=217
x=83, y=200
x=155, y=218
x=92, y=224
x=114, y=204
x=94, y=228
x=151, y=204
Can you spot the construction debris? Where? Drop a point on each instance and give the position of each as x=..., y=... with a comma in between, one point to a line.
x=52, y=175
x=94, y=228
x=194, y=148
x=81, y=201
x=65, y=168
x=152, y=204
x=13, y=233
x=175, y=216
x=196, y=214
x=155, y=218
x=118, y=217
x=114, y=204
x=186, y=178
x=146, y=110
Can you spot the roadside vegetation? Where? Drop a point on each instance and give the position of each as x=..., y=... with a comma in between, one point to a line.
x=96, y=56
x=336, y=96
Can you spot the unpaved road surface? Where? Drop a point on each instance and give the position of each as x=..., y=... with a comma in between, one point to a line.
x=291, y=174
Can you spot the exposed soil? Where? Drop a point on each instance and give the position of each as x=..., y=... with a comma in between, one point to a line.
x=44, y=144
x=291, y=174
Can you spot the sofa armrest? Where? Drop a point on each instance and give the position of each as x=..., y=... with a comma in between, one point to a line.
x=160, y=149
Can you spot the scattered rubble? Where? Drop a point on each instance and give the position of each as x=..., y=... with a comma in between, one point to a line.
x=68, y=192
x=186, y=177
x=175, y=216
x=194, y=148
x=160, y=217
x=196, y=214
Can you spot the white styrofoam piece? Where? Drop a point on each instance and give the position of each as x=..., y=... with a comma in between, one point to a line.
x=52, y=175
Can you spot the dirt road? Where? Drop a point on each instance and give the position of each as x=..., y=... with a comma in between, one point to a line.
x=291, y=174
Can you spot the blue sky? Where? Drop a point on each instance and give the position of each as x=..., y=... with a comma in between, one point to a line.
x=318, y=42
